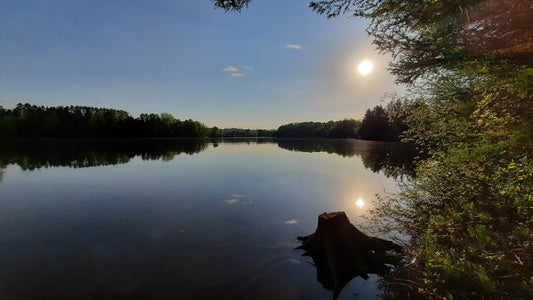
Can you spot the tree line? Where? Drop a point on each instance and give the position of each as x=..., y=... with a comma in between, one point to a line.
x=333, y=129
x=378, y=124
x=240, y=132
x=27, y=120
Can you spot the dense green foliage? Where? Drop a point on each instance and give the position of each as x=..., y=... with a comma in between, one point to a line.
x=80, y=121
x=469, y=210
x=378, y=124
x=240, y=132
x=347, y=128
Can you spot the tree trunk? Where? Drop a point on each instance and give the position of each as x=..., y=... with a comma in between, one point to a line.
x=341, y=252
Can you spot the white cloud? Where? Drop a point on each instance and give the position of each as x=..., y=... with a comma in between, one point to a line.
x=247, y=68
x=237, y=75
x=230, y=69
x=294, y=46
x=231, y=201
x=237, y=195
x=291, y=221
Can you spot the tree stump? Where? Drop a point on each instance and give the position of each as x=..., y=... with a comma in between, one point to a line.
x=341, y=252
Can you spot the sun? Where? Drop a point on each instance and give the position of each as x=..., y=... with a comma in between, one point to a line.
x=360, y=202
x=365, y=67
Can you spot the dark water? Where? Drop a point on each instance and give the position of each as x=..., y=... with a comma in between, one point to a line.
x=180, y=219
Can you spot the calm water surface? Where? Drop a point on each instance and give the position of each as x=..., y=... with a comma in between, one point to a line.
x=179, y=219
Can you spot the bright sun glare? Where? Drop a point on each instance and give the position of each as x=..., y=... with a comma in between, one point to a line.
x=360, y=202
x=365, y=67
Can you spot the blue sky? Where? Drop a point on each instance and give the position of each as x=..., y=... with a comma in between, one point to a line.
x=276, y=62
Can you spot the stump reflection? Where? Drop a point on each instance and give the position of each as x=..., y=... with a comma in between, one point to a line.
x=342, y=252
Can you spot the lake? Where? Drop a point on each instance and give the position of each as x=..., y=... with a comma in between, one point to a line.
x=181, y=219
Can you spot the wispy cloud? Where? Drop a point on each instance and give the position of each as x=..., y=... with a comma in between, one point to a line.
x=291, y=222
x=247, y=68
x=237, y=75
x=237, y=196
x=230, y=69
x=294, y=46
x=231, y=201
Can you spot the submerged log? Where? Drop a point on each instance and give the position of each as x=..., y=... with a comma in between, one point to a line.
x=341, y=252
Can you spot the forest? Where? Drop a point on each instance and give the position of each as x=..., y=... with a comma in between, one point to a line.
x=216, y=132
x=31, y=121
x=27, y=120
x=378, y=124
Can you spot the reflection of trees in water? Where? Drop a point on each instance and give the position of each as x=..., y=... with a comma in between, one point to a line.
x=32, y=154
x=344, y=148
x=241, y=140
x=394, y=159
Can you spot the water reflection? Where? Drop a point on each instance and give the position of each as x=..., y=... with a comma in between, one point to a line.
x=394, y=159
x=35, y=154
x=217, y=224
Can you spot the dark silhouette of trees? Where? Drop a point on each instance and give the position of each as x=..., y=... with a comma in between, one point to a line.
x=27, y=120
x=398, y=113
x=302, y=130
x=348, y=128
x=215, y=132
x=240, y=133
x=375, y=125
x=378, y=124
x=32, y=121
x=231, y=5
x=390, y=123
